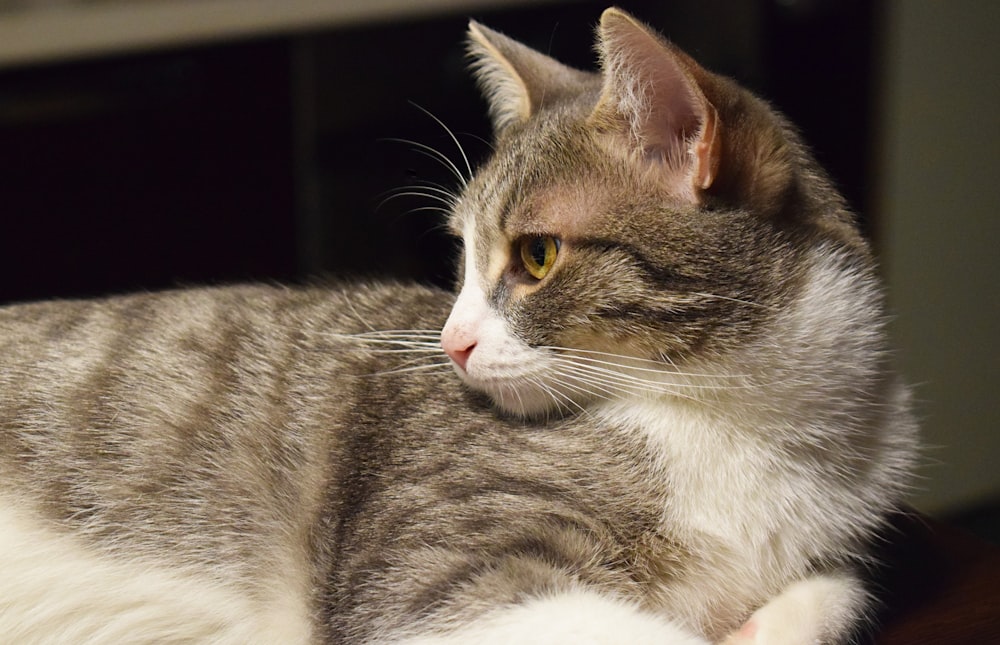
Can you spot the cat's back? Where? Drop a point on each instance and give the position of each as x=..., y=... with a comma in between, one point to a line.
x=149, y=415
x=91, y=344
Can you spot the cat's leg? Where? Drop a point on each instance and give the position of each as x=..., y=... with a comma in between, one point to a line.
x=821, y=609
x=580, y=617
x=54, y=589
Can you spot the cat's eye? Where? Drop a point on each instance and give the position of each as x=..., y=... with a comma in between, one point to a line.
x=538, y=254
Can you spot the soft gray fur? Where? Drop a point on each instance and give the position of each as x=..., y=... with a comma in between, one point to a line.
x=686, y=430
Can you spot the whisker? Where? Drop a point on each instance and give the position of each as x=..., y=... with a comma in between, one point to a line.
x=404, y=350
x=394, y=341
x=392, y=344
x=435, y=209
x=588, y=385
x=731, y=299
x=517, y=394
x=561, y=399
x=626, y=360
x=415, y=368
x=630, y=379
x=483, y=140
x=408, y=191
x=394, y=333
x=424, y=341
x=427, y=189
x=357, y=315
x=439, y=157
x=611, y=383
x=451, y=134
x=600, y=388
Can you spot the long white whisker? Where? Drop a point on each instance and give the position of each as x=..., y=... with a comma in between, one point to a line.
x=415, y=368
x=409, y=192
x=601, y=388
x=435, y=209
x=392, y=343
x=517, y=393
x=437, y=190
x=613, y=383
x=357, y=315
x=405, y=350
x=626, y=362
x=425, y=190
x=393, y=333
x=731, y=299
x=408, y=342
x=451, y=134
x=434, y=154
x=561, y=399
x=586, y=383
x=643, y=383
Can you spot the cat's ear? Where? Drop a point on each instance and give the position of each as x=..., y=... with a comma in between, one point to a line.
x=514, y=78
x=653, y=95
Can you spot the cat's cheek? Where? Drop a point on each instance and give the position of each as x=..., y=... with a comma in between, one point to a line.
x=490, y=359
x=480, y=345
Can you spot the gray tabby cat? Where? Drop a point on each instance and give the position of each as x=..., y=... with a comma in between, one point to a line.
x=675, y=422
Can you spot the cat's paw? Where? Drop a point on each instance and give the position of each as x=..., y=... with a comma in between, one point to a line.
x=772, y=634
x=823, y=609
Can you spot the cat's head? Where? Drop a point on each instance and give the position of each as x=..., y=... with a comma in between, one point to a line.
x=631, y=224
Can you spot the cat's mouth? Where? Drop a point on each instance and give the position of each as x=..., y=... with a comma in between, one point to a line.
x=490, y=359
x=521, y=392
x=552, y=381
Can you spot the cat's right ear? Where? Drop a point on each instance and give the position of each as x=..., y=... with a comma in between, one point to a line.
x=654, y=93
x=514, y=78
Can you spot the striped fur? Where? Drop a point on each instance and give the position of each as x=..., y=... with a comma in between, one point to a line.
x=687, y=431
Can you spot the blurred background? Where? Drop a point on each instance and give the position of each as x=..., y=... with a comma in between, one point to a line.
x=147, y=144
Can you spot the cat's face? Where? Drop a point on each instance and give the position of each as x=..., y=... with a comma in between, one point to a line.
x=612, y=249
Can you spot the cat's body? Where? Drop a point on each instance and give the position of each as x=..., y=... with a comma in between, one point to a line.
x=698, y=420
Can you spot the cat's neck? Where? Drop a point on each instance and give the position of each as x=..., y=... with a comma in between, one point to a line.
x=805, y=431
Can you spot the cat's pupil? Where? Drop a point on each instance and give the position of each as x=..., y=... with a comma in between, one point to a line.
x=538, y=251
x=538, y=254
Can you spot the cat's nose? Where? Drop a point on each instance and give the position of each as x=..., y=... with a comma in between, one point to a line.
x=461, y=332
x=458, y=347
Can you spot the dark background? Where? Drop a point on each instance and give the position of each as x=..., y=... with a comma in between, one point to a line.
x=270, y=159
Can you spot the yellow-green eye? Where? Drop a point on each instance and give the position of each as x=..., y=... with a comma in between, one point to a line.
x=538, y=254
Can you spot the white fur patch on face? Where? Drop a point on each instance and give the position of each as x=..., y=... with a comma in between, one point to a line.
x=487, y=355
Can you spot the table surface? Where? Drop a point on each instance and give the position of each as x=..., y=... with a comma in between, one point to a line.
x=940, y=585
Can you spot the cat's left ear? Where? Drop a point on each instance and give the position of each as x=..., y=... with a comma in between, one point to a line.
x=653, y=95
x=515, y=79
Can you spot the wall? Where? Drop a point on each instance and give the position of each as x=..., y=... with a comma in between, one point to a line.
x=940, y=227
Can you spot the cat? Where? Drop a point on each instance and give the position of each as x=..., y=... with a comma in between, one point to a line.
x=674, y=418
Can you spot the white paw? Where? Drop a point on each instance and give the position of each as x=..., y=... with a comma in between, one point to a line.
x=823, y=609
x=766, y=630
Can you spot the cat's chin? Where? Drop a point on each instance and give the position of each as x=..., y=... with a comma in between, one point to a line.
x=516, y=398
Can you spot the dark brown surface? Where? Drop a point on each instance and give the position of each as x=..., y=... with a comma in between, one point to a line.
x=941, y=585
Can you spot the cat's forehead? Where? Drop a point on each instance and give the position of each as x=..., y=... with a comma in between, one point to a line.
x=568, y=208
x=550, y=177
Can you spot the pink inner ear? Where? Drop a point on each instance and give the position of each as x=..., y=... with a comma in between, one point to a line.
x=672, y=110
x=653, y=87
x=679, y=125
x=669, y=128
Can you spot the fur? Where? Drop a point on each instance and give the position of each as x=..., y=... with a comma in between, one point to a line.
x=684, y=429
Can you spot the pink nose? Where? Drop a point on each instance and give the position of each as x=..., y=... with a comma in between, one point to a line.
x=458, y=347
x=461, y=356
